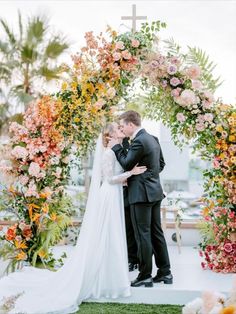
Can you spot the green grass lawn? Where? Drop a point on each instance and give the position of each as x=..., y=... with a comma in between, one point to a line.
x=118, y=308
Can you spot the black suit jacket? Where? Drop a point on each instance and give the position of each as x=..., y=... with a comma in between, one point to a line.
x=144, y=150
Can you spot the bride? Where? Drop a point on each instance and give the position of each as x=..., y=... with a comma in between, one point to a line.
x=98, y=266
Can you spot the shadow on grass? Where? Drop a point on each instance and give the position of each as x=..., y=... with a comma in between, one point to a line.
x=118, y=308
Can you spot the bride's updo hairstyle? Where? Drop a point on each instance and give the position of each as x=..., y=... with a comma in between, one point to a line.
x=107, y=133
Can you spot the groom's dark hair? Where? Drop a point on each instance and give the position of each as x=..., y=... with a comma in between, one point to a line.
x=131, y=116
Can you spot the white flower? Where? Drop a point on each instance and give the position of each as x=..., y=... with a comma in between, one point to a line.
x=193, y=307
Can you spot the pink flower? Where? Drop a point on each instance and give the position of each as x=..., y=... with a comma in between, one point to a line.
x=34, y=169
x=197, y=85
x=19, y=152
x=228, y=247
x=32, y=190
x=186, y=98
x=111, y=92
x=206, y=105
x=58, y=172
x=200, y=127
x=120, y=45
x=174, y=81
x=216, y=164
x=135, y=43
x=180, y=117
x=175, y=92
x=209, y=96
x=99, y=104
x=116, y=56
x=23, y=180
x=208, y=117
x=154, y=64
x=171, y=69
x=126, y=54
x=193, y=72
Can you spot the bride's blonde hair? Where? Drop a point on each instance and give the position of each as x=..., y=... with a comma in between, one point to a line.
x=107, y=132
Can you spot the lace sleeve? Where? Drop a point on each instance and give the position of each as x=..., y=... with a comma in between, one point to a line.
x=108, y=167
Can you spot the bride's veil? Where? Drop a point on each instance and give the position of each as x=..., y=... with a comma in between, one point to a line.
x=44, y=290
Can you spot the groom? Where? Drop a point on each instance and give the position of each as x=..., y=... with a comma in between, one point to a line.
x=145, y=196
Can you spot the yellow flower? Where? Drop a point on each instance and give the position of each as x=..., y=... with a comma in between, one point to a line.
x=219, y=128
x=42, y=253
x=53, y=216
x=45, y=208
x=30, y=209
x=64, y=86
x=232, y=138
x=76, y=119
x=21, y=256
x=20, y=244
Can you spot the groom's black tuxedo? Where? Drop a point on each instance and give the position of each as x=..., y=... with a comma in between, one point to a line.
x=145, y=194
x=145, y=150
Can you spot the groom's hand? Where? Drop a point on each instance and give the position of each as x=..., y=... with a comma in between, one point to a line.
x=113, y=142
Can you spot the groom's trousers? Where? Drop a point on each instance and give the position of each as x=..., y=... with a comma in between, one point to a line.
x=130, y=237
x=146, y=218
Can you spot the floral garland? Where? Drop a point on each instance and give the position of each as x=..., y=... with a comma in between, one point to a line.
x=179, y=91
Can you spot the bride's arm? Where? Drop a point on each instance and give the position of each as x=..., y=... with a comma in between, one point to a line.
x=108, y=167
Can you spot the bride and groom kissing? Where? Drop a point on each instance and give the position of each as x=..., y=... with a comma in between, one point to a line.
x=98, y=264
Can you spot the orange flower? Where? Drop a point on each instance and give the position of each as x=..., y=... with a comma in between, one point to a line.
x=21, y=256
x=205, y=211
x=229, y=310
x=27, y=232
x=11, y=233
x=30, y=209
x=45, y=208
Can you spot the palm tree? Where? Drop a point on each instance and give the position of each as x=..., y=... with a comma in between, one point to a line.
x=28, y=60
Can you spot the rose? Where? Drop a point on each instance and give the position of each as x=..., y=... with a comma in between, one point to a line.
x=111, y=92
x=27, y=232
x=120, y=45
x=193, y=72
x=154, y=64
x=197, y=85
x=175, y=92
x=116, y=56
x=174, y=81
x=228, y=247
x=135, y=43
x=171, y=69
x=126, y=54
x=11, y=233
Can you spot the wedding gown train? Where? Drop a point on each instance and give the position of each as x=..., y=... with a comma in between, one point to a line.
x=98, y=265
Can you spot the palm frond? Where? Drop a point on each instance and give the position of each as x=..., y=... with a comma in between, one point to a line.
x=198, y=56
x=55, y=48
x=36, y=29
x=172, y=47
x=28, y=53
x=49, y=73
x=4, y=48
x=20, y=25
x=9, y=33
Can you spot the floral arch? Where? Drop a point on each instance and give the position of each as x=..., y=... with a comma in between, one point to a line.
x=179, y=91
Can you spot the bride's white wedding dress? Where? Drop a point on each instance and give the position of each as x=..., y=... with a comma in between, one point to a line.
x=98, y=265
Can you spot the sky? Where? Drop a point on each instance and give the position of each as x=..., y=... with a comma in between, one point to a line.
x=209, y=25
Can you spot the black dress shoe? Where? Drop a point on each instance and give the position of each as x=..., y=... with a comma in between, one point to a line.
x=133, y=266
x=167, y=279
x=147, y=283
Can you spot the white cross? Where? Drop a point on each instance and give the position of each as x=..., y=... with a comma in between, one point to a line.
x=134, y=18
